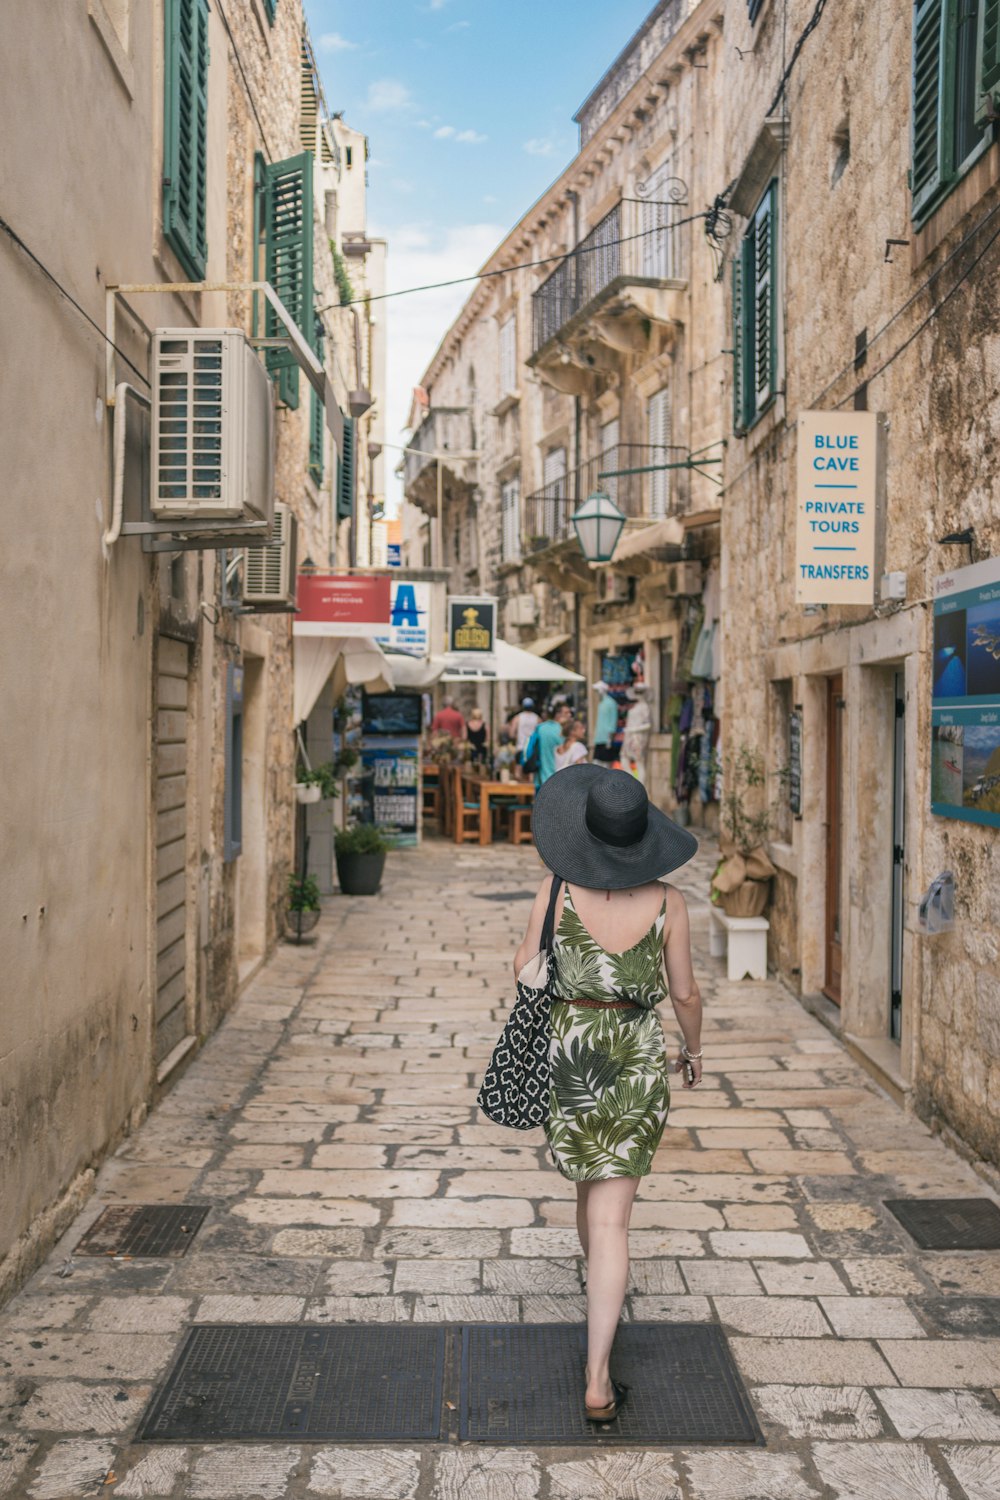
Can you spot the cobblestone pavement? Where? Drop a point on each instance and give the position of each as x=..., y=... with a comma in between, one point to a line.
x=331, y=1126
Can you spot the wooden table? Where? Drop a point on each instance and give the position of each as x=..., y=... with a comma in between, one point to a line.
x=517, y=791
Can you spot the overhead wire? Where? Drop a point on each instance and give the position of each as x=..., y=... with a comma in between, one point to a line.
x=246, y=81
x=26, y=250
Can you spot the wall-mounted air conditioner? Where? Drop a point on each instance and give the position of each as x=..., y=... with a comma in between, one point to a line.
x=613, y=588
x=522, y=609
x=212, y=428
x=269, y=571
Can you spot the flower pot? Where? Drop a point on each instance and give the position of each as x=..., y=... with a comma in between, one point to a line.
x=308, y=791
x=747, y=900
x=299, y=922
x=360, y=874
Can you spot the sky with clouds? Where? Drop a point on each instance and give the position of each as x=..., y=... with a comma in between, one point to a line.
x=468, y=106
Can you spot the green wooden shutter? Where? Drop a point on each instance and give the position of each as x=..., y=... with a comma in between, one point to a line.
x=929, y=49
x=288, y=213
x=317, y=423
x=764, y=322
x=988, y=61
x=270, y=6
x=185, y=118
x=345, y=484
x=739, y=385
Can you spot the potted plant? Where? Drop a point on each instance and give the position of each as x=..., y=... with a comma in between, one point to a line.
x=360, y=852
x=316, y=785
x=301, y=905
x=741, y=884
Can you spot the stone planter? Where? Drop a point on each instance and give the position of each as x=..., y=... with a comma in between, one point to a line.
x=360, y=874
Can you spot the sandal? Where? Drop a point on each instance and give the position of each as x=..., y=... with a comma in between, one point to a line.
x=608, y=1413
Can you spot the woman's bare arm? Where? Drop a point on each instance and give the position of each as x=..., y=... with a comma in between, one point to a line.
x=532, y=940
x=685, y=997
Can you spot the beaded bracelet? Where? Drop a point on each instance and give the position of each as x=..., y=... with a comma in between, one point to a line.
x=692, y=1056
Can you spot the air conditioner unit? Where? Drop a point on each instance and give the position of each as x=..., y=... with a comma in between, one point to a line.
x=522, y=609
x=269, y=571
x=613, y=588
x=213, y=428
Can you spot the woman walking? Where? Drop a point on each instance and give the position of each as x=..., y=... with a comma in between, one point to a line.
x=619, y=926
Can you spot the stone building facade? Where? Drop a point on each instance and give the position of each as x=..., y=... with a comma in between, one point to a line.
x=880, y=193
x=599, y=369
x=147, y=732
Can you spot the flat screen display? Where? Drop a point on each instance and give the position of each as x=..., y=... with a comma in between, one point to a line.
x=392, y=713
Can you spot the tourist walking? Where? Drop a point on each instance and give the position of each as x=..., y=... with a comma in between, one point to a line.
x=621, y=945
x=540, y=751
x=476, y=732
x=606, y=724
x=638, y=728
x=522, y=726
x=448, y=720
x=573, y=750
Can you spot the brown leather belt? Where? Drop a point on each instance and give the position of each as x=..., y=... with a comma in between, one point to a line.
x=603, y=1004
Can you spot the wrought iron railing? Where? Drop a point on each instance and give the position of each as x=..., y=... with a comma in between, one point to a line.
x=639, y=240
x=444, y=429
x=650, y=493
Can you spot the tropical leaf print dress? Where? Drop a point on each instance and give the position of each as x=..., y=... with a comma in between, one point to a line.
x=609, y=1090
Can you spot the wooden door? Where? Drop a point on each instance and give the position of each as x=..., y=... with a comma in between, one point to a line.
x=834, y=834
x=171, y=848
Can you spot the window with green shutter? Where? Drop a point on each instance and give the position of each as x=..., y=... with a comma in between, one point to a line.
x=270, y=6
x=317, y=423
x=288, y=259
x=185, y=119
x=956, y=81
x=755, y=321
x=345, y=478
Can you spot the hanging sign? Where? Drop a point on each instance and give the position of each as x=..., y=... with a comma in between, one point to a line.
x=838, y=491
x=342, y=604
x=472, y=624
x=409, y=619
x=965, y=702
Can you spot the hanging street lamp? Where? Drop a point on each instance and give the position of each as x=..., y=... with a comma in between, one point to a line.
x=598, y=523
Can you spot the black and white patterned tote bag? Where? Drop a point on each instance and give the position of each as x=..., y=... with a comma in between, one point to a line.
x=515, y=1087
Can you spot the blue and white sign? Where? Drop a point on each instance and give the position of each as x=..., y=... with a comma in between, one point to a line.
x=394, y=554
x=965, y=703
x=409, y=618
x=836, y=533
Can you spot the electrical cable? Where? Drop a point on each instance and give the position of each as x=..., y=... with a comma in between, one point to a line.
x=804, y=34
x=525, y=265
x=246, y=81
x=13, y=235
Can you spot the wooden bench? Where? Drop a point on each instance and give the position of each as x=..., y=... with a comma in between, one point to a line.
x=743, y=940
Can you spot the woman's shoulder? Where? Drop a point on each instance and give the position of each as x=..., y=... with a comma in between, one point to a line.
x=674, y=901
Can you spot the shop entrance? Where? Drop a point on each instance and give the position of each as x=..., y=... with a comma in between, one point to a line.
x=834, y=834
x=898, y=857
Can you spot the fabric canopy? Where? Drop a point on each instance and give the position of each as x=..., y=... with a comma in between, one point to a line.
x=512, y=665
x=350, y=660
x=666, y=533
x=544, y=644
x=415, y=671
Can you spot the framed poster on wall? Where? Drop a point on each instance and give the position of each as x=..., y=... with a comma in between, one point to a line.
x=965, y=702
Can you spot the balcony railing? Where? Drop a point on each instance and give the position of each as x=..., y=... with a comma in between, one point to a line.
x=444, y=429
x=638, y=240
x=647, y=495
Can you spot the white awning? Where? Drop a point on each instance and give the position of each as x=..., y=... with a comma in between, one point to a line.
x=513, y=664
x=666, y=533
x=351, y=660
x=545, y=644
x=415, y=671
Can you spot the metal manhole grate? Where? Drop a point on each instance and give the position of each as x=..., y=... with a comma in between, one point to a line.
x=352, y=1383
x=949, y=1223
x=143, y=1229
x=522, y=1384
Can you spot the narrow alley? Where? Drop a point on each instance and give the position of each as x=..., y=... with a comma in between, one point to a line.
x=331, y=1131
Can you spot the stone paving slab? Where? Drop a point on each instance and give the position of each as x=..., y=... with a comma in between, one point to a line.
x=331, y=1126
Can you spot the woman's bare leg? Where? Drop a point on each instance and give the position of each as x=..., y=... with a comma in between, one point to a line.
x=609, y=1207
x=582, y=1189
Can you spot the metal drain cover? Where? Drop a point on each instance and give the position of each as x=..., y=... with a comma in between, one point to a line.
x=523, y=1383
x=949, y=1223
x=144, y=1229
x=352, y=1383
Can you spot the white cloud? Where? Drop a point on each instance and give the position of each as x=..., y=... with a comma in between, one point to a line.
x=386, y=95
x=467, y=137
x=422, y=252
x=540, y=146
x=332, y=41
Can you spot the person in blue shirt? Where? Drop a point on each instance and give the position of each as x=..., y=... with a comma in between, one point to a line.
x=547, y=736
x=606, y=726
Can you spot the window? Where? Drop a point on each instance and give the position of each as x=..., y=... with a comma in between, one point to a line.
x=553, y=490
x=185, y=117
x=956, y=78
x=658, y=429
x=656, y=214
x=270, y=6
x=288, y=259
x=609, y=453
x=317, y=416
x=508, y=357
x=510, y=521
x=345, y=478
x=755, y=339
x=754, y=9
x=232, y=835
x=349, y=156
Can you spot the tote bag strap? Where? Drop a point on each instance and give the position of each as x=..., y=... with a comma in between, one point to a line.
x=548, y=926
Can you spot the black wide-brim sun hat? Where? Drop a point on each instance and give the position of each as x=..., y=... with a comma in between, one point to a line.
x=597, y=828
